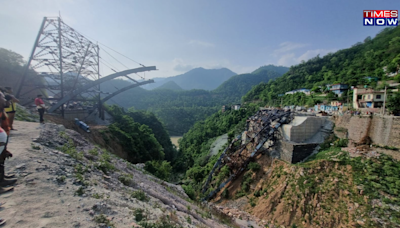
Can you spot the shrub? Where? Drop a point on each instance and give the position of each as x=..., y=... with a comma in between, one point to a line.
x=69, y=148
x=138, y=213
x=140, y=195
x=126, y=179
x=189, y=191
x=160, y=169
x=104, y=163
x=254, y=166
x=103, y=219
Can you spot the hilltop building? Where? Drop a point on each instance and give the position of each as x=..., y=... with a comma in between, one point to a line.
x=339, y=88
x=325, y=108
x=236, y=107
x=305, y=91
x=367, y=98
x=233, y=107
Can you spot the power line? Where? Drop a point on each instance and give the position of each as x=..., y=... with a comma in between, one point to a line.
x=94, y=40
x=115, y=59
x=122, y=55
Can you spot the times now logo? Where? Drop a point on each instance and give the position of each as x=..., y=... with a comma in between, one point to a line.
x=380, y=17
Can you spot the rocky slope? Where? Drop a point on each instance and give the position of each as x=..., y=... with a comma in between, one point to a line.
x=65, y=181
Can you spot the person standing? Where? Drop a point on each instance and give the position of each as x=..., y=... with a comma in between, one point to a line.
x=40, y=107
x=4, y=153
x=12, y=107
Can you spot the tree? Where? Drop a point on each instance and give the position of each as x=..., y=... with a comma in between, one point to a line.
x=393, y=104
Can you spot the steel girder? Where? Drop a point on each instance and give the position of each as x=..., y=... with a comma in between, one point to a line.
x=91, y=84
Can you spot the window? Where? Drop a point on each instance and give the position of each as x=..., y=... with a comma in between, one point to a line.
x=378, y=96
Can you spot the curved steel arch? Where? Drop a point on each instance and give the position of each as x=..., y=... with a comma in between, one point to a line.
x=125, y=89
x=91, y=84
x=118, y=92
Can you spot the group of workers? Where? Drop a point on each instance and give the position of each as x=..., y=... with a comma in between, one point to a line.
x=7, y=115
x=8, y=109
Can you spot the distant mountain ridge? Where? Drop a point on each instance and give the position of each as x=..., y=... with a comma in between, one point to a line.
x=239, y=85
x=198, y=78
x=180, y=109
x=171, y=85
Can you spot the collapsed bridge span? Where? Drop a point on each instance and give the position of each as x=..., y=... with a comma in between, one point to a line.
x=257, y=138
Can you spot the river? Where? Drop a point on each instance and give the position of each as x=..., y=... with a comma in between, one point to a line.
x=174, y=140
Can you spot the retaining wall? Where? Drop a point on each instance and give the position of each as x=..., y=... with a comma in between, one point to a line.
x=383, y=130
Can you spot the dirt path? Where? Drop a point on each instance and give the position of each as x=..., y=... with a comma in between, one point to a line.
x=36, y=201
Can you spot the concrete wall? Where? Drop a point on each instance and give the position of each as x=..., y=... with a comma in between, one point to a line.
x=294, y=152
x=302, y=128
x=383, y=130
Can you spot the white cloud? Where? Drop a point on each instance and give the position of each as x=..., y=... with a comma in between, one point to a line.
x=290, y=59
x=201, y=43
x=288, y=46
x=312, y=53
x=181, y=66
x=287, y=60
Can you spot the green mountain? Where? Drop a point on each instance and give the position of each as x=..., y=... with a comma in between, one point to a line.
x=278, y=69
x=179, y=110
x=349, y=66
x=170, y=85
x=239, y=85
x=198, y=78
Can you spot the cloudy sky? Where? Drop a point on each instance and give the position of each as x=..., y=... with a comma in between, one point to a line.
x=178, y=35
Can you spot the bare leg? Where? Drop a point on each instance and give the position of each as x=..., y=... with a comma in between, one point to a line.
x=11, y=117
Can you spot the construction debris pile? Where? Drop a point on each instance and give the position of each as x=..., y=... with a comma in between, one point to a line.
x=258, y=138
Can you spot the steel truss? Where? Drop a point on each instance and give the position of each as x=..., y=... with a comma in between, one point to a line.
x=67, y=66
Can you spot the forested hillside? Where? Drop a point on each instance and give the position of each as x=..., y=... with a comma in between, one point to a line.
x=239, y=85
x=348, y=66
x=141, y=135
x=12, y=66
x=171, y=85
x=179, y=110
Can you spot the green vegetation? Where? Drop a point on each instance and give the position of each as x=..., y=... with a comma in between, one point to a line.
x=104, y=163
x=348, y=66
x=254, y=166
x=140, y=195
x=179, y=110
x=160, y=169
x=138, y=213
x=394, y=104
x=194, y=149
x=104, y=220
x=126, y=179
x=12, y=66
x=97, y=196
x=137, y=139
x=70, y=149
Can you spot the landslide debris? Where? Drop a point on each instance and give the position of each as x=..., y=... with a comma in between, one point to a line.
x=332, y=189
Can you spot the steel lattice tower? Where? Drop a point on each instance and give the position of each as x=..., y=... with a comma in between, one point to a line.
x=63, y=59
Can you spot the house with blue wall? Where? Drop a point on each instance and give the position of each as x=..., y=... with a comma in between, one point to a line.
x=325, y=108
x=339, y=88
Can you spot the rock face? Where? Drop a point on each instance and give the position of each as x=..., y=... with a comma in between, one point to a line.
x=65, y=181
